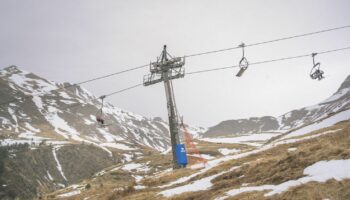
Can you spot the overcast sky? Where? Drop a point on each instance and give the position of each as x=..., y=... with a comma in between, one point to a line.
x=74, y=40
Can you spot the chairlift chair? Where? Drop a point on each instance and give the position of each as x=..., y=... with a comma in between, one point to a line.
x=316, y=72
x=243, y=63
x=100, y=115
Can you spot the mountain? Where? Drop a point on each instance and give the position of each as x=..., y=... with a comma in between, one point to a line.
x=303, y=154
x=41, y=111
x=52, y=148
x=294, y=119
x=52, y=140
x=305, y=165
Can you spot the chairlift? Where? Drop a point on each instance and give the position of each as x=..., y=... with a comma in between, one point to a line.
x=243, y=63
x=315, y=72
x=100, y=115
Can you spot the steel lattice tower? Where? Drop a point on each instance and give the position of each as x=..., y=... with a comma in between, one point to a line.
x=165, y=70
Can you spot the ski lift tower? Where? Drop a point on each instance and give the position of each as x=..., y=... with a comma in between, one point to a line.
x=165, y=70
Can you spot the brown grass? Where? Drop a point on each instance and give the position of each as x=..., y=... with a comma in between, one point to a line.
x=273, y=166
x=277, y=165
x=212, y=148
x=166, y=178
x=332, y=189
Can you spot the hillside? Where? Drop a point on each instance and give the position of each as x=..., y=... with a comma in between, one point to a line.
x=311, y=160
x=47, y=127
x=42, y=111
x=312, y=165
x=51, y=148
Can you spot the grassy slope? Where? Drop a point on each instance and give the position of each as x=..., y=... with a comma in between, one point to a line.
x=273, y=166
x=277, y=165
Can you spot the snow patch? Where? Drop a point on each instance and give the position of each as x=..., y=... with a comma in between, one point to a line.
x=345, y=115
x=118, y=146
x=59, y=167
x=321, y=171
x=226, y=151
x=69, y=194
x=131, y=166
x=242, y=139
x=202, y=184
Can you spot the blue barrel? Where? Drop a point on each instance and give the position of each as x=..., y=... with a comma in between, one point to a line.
x=181, y=156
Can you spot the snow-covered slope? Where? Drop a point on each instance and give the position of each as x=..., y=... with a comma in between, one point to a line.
x=42, y=111
x=338, y=102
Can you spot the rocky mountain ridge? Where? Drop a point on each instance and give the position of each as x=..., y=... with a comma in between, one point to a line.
x=50, y=138
x=42, y=111
x=339, y=101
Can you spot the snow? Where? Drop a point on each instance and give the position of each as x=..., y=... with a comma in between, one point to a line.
x=75, y=186
x=205, y=156
x=52, y=113
x=180, y=180
x=69, y=194
x=59, y=167
x=67, y=102
x=166, y=151
x=195, y=131
x=131, y=166
x=88, y=122
x=226, y=151
x=345, y=115
x=14, y=117
x=210, y=164
x=138, y=178
x=33, y=85
x=128, y=157
x=31, y=128
x=337, y=95
x=9, y=142
x=108, y=136
x=202, y=184
x=61, y=185
x=139, y=187
x=38, y=102
x=49, y=175
x=4, y=121
x=216, y=162
x=18, y=79
x=288, y=141
x=245, y=139
x=321, y=171
x=117, y=146
x=60, y=125
x=291, y=149
x=85, y=94
x=52, y=142
x=144, y=168
x=65, y=95
x=100, y=173
x=115, y=169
